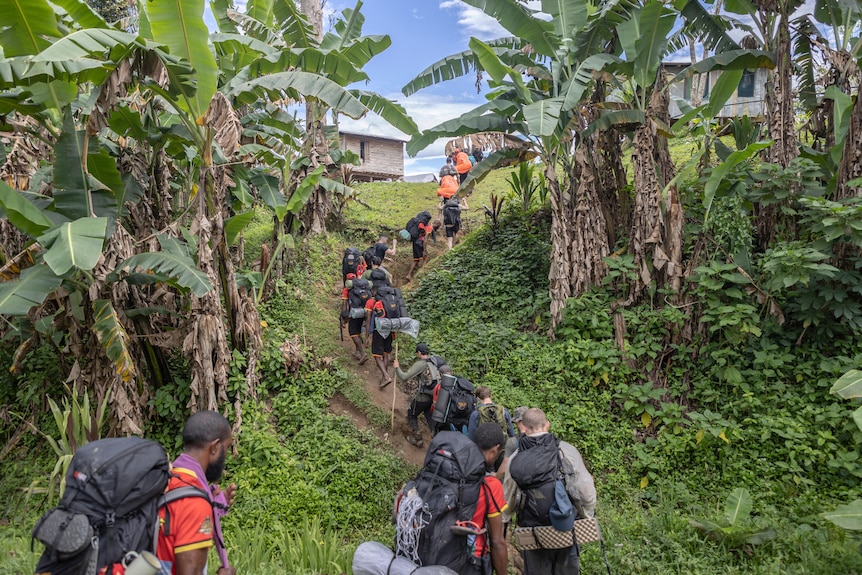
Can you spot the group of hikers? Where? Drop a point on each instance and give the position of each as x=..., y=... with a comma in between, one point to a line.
x=452, y=175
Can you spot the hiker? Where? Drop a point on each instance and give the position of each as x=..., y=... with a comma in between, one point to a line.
x=451, y=513
x=354, y=296
x=448, y=169
x=492, y=503
x=531, y=479
x=478, y=154
x=427, y=376
x=512, y=442
x=376, y=264
x=381, y=249
x=487, y=410
x=448, y=186
x=453, y=406
x=419, y=254
x=462, y=164
x=352, y=263
x=189, y=526
x=452, y=219
x=381, y=346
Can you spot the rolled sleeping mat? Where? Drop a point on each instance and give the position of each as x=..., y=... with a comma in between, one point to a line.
x=373, y=558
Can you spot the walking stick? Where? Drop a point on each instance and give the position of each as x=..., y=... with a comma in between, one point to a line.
x=394, y=386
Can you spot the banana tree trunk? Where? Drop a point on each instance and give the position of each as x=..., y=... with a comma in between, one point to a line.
x=588, y=229
x=656, y=233
x=779, y=100
x=850, y=167
x=560, y=272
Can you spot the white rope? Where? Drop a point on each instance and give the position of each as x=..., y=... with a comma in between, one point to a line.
x=411, y=519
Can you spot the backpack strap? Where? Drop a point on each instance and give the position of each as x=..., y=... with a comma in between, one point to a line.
x=175, y=495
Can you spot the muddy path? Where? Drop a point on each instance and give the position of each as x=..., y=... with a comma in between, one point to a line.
x=397, y=393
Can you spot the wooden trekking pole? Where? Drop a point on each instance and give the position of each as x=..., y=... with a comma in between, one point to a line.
x=394, y=386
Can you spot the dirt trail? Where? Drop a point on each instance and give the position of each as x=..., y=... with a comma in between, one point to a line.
x=370, y=374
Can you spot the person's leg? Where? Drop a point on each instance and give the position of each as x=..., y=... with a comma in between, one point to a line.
x=415, y=438
x=424, y=408
x=567, y=561
x=355, y=331
x=377, y=351
x=538, y=562
x=450, y=236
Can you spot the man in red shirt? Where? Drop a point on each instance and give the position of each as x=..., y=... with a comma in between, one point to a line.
x=491, y=440
x=188, y=526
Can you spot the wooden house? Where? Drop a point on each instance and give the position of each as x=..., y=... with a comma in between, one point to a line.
x=381, y=158
x=749, y=99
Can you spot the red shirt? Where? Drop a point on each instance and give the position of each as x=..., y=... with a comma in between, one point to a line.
x=492, y=502
x=189, y=522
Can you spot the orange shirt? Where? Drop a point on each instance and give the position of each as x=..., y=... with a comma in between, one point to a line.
x=462, y=163
x=448, y=187
x=492, y=502
x=189, y=522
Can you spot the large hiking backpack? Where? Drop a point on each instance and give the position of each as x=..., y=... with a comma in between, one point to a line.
x=445, y=491
x=452, y=214
x=350, y=263
x=109, y=508
x=358, y=296
x=379, y=278
x=393, y=303
x=495, y=413
x=535, y=469
x=368, y=255
x=412, y=226
x=462, y=403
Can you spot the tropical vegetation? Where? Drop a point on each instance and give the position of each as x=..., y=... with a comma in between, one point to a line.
x=679, y=294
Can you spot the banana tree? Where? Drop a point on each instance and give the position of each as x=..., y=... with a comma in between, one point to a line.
x=540, y=78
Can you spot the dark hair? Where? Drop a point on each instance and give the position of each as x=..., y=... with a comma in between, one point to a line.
x=375, y=261
x=483, y=392
x=445, y=369
x=488, y=435
x=203, y=427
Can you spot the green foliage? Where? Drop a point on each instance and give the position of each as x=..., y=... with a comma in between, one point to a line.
x=526, y=188
x=733, y=529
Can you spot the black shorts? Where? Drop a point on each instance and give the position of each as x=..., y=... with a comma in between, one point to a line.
x=380, y=345
x=354, y=326
x=452, y=230
x=418, y=249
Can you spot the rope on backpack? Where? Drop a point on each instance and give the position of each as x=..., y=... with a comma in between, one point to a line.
x=410, y=521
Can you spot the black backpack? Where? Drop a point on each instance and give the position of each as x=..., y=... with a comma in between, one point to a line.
x=350, y=262
x=378, y=277
x=535, y=469
x=368, y=254
x=446, y=490
x=412, y=226
x=109, y=508
x=452, y=213
x=359, y=293
x=462, y=402
x=393, y=303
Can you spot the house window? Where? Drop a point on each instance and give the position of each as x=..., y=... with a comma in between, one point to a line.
x=363, y=150
x=746, y=85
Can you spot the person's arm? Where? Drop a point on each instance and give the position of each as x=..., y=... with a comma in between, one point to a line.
x=472, y=424
x=391, y=251
x=499, y=552
x=509, y=423
x=510, y=492
x=415, y=369
x=191, y=562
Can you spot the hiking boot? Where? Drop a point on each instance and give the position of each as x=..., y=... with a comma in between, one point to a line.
x=414, y=439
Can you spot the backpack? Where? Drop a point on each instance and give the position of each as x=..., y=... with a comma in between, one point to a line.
x=393, y=304
x=350, y=263
x=495, y=413
x=412, y=226
x=110, y=506
x=432, y=374
x=367, y=255
x=536, y=469
x=379, y=275
x=452, y=213
x=446, y=490
x=462, y=402
x=359, y=294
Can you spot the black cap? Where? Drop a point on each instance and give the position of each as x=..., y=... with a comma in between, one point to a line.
x=422, y=348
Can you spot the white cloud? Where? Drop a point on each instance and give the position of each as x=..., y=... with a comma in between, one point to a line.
x=474, y=22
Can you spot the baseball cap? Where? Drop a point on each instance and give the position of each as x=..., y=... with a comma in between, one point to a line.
x=518, y=414
x=422, y=348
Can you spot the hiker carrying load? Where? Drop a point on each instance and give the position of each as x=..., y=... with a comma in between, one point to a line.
x=454, y=402
x=450, y=514
x=419, y=229
x=487, y=410
x=452, y=219
x=426, y=370
x=354, y=296
x=549, y=487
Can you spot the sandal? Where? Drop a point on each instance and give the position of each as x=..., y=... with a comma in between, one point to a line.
x=385, y=383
